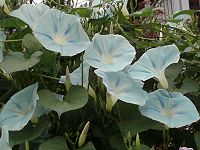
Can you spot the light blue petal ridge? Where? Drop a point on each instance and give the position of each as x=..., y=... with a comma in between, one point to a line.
x=171, y=108
x=126, y=89
x=30, y=14
x=4, y=140
x=19, y=109
x=109, y=52
x=154, y=62
x=2, y=38
x=61, y=32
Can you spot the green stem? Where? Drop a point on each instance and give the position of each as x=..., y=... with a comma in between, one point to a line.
x=26, y=146
x=16, y=40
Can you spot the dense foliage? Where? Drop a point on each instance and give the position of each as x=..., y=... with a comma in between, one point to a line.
x=98, y=75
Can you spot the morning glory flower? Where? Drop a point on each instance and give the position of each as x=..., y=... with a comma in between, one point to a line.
x=109, y=52
x=171, y=108
x=126, y=89
x=30, y=14
x=2, y=38
x=61, y=32
x=76, y=76
x=153, y=64
x=19, y=109
x=4, y=140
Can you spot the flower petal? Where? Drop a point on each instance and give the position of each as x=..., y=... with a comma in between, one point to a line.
x=171, y=108
x=124, y=88
x=109, y=52
x=19, y=109
x=4, y=140
x=63, y=34
x=30, y=14
x=154, y=62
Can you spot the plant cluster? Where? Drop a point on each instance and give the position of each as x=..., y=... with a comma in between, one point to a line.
x=111, y=75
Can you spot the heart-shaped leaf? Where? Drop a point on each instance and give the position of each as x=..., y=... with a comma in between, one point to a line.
x=75, y=99
x=19, y=109
x=56, y=143
x=30, y=42
x=29, y=132
x=15, y=61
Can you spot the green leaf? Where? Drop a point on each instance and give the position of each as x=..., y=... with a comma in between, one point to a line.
x=30, y=42
x=56, y=143
x=29, y=132
x=197, y=139
x=76, y=98
x=15, y=61
x=11, y=23
x=145, y=12
x=188, y=85
x=116, y=141
x=83, y=12
x=185, y=12
x=133, y=121
x=88, y=146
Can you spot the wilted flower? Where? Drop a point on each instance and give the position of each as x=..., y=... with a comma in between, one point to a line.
x=61, y=32
x=171, y=108
x=109, y=52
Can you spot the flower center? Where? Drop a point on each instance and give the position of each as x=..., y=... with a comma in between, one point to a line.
x=168, y=113
x=107, y=59
x=60, y=39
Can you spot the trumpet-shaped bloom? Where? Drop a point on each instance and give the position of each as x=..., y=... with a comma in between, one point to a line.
x=19, y=109
x=4, y=140
x=171, y=108
x=2, y=38
x=76, y=75
x=109, y=52
x=124, y=88
x=154, y=62
x=30, y=14
x=61, y=32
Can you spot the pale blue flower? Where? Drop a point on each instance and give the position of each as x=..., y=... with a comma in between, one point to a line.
x=19, y=109
x=4, y=140
x=153, y=64
x=30, y=14
x=171, y=108
x=2, y=38
x=76, y=76
x=61, y=32
x=109, y=52
x=126, y=89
